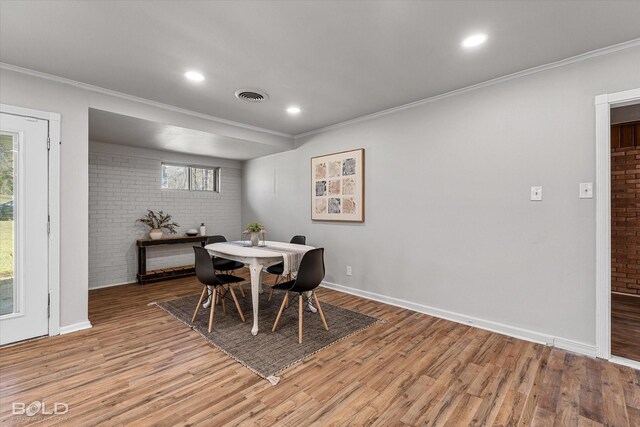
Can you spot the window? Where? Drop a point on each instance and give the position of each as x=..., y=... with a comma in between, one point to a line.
x=175, y=177
x=203, y=179
x=192, y=178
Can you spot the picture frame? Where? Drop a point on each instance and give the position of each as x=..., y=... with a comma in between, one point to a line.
x=337, y=186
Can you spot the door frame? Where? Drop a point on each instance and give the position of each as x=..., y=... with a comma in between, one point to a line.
x=603, y=104
x=54, y=207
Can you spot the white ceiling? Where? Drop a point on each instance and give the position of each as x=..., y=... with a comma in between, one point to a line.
x=118, y=129
x=337, y=60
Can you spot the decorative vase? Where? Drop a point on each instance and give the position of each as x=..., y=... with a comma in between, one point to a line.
x=155, y=234
x=255, y=239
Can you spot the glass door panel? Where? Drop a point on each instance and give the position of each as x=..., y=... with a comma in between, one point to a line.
x=8, y=291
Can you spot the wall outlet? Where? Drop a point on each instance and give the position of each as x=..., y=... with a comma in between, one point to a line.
x=536, y=193
x=348, y=270
x=586, y=190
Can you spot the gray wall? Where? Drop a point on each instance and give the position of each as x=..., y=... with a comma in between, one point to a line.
x=449, y=223
x=123, y=183
x=73, y=104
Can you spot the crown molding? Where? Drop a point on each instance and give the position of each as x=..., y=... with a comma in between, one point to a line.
x=137, y=99
x=497, y=80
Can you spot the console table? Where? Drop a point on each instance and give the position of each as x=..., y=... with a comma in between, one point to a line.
x=145, y=276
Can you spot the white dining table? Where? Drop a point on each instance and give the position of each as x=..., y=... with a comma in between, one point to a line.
x=257, y=258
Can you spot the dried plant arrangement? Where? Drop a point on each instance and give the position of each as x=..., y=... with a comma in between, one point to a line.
x=159, y=221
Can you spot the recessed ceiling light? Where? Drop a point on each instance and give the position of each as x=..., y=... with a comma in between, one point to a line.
x=293, y=110
x=194, y=76
x=475, y=40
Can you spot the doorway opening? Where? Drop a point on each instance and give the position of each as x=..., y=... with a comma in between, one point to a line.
x=625, y=231
x=617, y=215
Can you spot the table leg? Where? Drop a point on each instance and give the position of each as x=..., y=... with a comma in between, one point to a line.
x=142, y=263
x=207, y=303
x=256, y=284
x=309, y=303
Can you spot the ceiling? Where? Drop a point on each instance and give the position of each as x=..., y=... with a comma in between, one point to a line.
x=628, y=113
x=337, y=60
x=118, y=129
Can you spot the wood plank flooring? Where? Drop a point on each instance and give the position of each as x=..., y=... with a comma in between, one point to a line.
x=625, y=326
x=140, y=366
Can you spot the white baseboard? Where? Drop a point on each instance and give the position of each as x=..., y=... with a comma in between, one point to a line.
x=501, y=328
x=111, y=285
x=75, y=327
x=574, y=346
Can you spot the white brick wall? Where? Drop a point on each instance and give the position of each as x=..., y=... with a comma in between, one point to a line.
x=121, y=189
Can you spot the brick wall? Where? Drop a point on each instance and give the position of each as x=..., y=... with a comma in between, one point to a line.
x=625, y=218
x=123, y=187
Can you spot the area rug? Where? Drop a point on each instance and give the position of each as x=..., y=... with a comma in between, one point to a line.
x=268, y=353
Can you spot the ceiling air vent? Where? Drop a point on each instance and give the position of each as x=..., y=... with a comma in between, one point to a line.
x=251, y=95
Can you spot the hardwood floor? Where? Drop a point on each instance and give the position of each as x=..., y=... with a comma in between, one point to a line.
x=140, y=366
x=625, y=326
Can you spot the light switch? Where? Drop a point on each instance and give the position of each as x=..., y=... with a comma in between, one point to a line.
x=586, y=190
x=536, y=193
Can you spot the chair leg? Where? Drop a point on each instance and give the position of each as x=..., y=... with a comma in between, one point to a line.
x=300, y=319
x=224, y=305
x=235, y=300
x=315, y=297
x=284, y=301
x=214, y=301
x=195, y=313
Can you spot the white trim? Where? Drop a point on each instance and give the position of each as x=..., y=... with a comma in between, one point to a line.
x=54, y=234
x=625, y=362
x=54, y=207
x=28, y=112
x=625, y=97
x=111, y=285
x=603, y=230
x=138, y=99
x=603, y=104
x=75, y=327
x=489, y=325
x=516, y=75
x=575, y=346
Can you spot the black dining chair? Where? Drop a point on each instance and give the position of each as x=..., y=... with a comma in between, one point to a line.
x=223, y=264
x=310, y=275
x=278, y=269
x=221, y=284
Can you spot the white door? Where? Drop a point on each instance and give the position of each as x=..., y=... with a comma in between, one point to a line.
x=24, y=284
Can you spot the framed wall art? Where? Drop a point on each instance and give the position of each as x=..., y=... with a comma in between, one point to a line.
x=337, y=186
